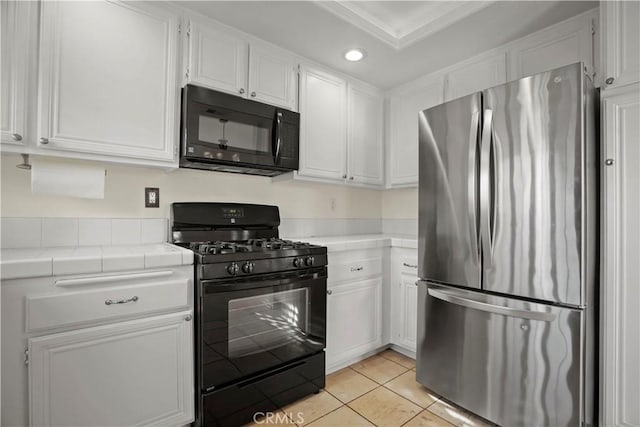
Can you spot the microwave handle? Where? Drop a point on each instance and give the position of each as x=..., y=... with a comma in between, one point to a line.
x=276, y=143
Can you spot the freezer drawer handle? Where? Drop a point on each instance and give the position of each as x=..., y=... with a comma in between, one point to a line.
x=483, y=306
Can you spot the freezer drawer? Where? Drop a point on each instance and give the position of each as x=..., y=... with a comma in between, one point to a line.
x=512, y=362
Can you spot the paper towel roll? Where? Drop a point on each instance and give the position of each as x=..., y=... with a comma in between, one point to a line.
x=67, y=180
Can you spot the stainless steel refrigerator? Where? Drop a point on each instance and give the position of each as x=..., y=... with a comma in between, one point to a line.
x=507, y=250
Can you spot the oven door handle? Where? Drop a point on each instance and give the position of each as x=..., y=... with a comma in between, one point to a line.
x=217, y=286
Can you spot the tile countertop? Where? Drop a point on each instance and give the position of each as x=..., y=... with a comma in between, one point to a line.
x=361, y=241
x=54, y=261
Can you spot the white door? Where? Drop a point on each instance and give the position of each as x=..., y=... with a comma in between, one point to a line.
x=476, y=76
x=354, y=320
x=217, y=59
x=552, y=49
x=621, y=42
x=14, y=69
x=403, y=149
x=272, y=77
x=409, y=311
x=620, y=370
x=365, y=119
x=138, y=372
x=323, y=130
x=108, y=81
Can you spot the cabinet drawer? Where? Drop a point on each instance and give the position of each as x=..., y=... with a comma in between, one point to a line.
x=409, y=266
x=89, y=306
x=354, y=270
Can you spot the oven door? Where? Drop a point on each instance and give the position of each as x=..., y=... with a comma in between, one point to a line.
x=250, y=326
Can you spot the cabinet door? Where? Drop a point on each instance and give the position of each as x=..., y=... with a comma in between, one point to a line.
x=217, y=59
x=365, y=119
x=620, y=291
x=354, y=320
x=323, y=130
x=108, y=79
x=14, y=69
x=403, y=150
x=621, y=41
x=553, y=48
x=272, y=77
x=476, y=76
x=409, y=311
x=132, y=373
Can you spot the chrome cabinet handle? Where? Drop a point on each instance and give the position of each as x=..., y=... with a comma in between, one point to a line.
x=344, y=176
x=16, y=137
x=121, y=301
x=241, y=90
x=359, y=268
x=44, y=140
x=610, y=81
x=609, y=162
x=253, y=94
x=409, y=265
x=188, y=318
x=329, y=291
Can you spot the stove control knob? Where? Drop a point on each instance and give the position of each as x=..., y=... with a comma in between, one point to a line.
x=247, y=267
x=298, y=262
x=233, y=269
x=309, y=261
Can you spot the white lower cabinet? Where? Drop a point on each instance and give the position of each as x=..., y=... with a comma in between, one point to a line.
x=354, y=305
x=138, y=372
x=354, y=320
x=404, y=298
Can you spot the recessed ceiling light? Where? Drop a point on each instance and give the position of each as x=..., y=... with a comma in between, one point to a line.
x=354, y=55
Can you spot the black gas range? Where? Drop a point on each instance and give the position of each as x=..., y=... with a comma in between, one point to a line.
x=260, y=329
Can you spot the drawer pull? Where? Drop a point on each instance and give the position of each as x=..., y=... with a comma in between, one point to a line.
x=409, y=265
x=360, y=268
x=121, y=301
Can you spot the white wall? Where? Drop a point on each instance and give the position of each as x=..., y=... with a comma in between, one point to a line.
x=400, y=204
x=124, y=194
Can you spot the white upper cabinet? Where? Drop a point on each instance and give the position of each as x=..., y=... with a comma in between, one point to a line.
x=403, y=145
x=621, y=43
x=476, y=76
x=14, y=70
x=222, y=61
x=365, y=120
x=341, y=130
x=323, y=130
x=556, y=46
x=217, y=59
x=272, y=77
x=107, y=80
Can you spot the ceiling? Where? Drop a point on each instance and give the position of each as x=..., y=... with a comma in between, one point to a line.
x=403, y=39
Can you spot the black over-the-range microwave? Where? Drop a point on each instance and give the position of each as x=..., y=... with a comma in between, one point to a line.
x=223, y=132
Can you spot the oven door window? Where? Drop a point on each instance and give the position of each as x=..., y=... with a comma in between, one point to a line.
x=265, y=322
x=255, y=329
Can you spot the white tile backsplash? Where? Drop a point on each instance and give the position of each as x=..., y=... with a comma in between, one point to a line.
x=94, y=231
x=21, y=232
x=59, y=232
x=72, y=232
x=125, y=231
x=153, y=230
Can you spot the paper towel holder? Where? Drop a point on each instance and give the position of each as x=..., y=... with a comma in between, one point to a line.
x=25, y=163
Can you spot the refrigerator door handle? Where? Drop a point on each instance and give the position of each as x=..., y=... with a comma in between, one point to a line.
x=472, y=185
x=491, y=308
x=485, y=188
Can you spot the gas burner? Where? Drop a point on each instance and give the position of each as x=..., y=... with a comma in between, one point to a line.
x=216, y=248
x=275, y=244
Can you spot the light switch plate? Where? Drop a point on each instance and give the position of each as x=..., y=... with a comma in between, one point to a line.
x=151, y=197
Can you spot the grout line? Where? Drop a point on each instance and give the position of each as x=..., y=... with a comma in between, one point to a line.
x=407, y=399
x=362, y=415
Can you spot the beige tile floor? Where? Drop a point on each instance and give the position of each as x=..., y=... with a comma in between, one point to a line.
x=378, y=391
